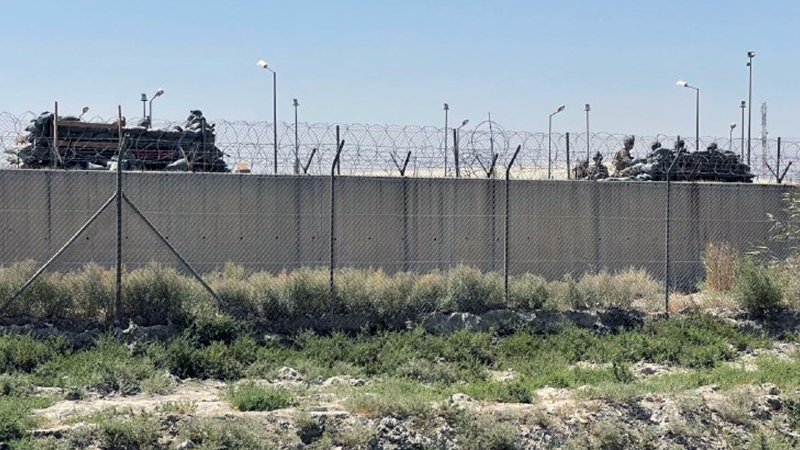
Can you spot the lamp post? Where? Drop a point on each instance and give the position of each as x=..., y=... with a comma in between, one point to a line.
x=550, y=141
x=456, y=133
x=446, y=110
x=263, y=64
x=588, y=108
x=158, y=93
x=682, y=83
x=144, y=106
x=750, y=55
x=730, y=136
x=296, y=140
x=83, y=111
x=742, y=105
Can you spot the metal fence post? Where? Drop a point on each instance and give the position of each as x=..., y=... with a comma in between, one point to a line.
x=455, y=153
x=332, y=261
x=667, y=272
x=568, y=163
x=506, y=226
x=118, y=281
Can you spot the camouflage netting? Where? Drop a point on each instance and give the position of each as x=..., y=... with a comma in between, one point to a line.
x=94, y=146
x=708, y=165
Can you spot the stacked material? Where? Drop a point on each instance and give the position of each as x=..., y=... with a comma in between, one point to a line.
x=73, y=144
x=708, y=165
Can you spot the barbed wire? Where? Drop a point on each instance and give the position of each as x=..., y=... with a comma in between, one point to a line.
x=380, y=149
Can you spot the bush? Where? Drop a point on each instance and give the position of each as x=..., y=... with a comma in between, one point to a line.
x=249, y=396
x=721, y=262
x=306, y=292
x=428, y=290
x=222, y=434
x=235, y=292
x=157, y=295
x=567, y=295
x=757, y=286
x=24, y=353
x=528, y=292
x=140, y=432
x=469, y=290
x=91, y=291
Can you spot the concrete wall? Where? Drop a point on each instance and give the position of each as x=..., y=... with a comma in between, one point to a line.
x=275, y=223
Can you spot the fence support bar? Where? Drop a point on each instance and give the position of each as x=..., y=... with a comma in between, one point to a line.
x=171, y=247
x=118, y=280
x=332, y=261
x=72, y=239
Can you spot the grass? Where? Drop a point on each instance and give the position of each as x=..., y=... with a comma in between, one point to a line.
x=160, y=295
x=249, y=396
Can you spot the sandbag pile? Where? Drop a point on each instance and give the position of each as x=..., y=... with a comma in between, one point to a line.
x=94, y=146
x=708, y=165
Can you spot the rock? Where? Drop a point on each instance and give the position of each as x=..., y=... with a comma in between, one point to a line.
x=462, y=399
x=185, y=445
x=289, y=374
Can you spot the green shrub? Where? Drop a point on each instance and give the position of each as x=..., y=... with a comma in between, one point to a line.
x=227, y=433
x=617, y=290
x=757, y=286
x=528, y=292
x=567, y=295
x=140, y=432
x=249, y=396
x=306, y=292
x=469, y=290
x=427, y=291
x=235, y=292
x=157, y=294
x=25, y=354
x=271, y=305
x=91, y=291
x=15, y=417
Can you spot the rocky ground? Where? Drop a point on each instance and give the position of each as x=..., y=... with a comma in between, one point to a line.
x=708, y=416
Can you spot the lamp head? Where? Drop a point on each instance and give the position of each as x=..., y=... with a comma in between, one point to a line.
x=263, y=64
x=733, y=125
x=159, y=93
x=465, y=122
x=743, y=104
x=144, y=97
x=446, y=107
x=85, y=109
x=560, y=108
x=294, y=103
x=751, y=54
x=681, y=83
x=588, y=107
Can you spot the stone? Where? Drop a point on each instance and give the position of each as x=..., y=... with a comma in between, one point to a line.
x=185, y=445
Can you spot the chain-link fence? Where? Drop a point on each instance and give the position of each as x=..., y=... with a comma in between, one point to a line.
x=295, y=251
x=380, y=150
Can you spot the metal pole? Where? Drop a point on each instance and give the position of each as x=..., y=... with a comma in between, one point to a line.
x=506, y=227
x=549, y=146
x=118, y=195
x=749, y=103
x=741, y=148
x=332, y=254
x=275, y=118
x=730, y=140
x=667, y=273
x=778, y=177
x=455, y=152
x=446, y=111
x=568, y=174
x=338, y=161
x=55, y=156
x=144, y=106
x=588, y=108
x=296, y=141
x=697, y=121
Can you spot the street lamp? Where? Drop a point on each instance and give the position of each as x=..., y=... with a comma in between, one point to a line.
x=446, y=110
x=588, y=108
x=263, y=64
x=682, y=83
x=550, y=140
x=750, y=55
x=296, y=140
x=158, y=93
x=455, y=146
x=83, y=111
x=742, y=105
x=730, y=136
x=144, y=106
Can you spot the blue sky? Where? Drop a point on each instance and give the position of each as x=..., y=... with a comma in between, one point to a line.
x=397, y=62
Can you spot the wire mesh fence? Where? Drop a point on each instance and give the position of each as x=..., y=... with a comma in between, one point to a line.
x=380, y=150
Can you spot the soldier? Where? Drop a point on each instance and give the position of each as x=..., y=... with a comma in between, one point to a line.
x=598, y=171
x=623, y=158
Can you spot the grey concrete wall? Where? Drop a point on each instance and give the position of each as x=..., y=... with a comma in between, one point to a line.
x=276, y=223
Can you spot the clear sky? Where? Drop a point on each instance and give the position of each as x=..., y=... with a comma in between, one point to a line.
x=397, y=62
